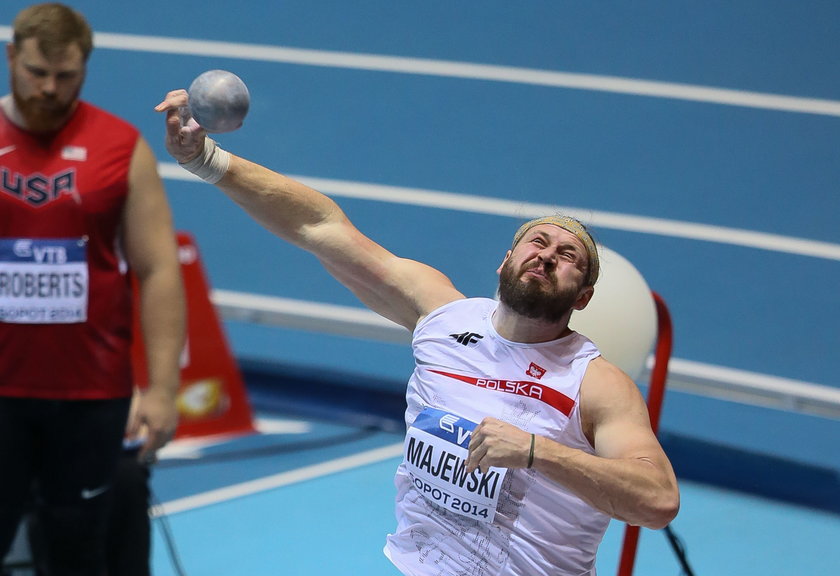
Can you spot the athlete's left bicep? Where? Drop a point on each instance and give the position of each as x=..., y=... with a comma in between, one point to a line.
x=615, y=415
x=149, y=240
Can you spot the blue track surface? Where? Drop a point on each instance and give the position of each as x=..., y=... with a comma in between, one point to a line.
x=743, y=168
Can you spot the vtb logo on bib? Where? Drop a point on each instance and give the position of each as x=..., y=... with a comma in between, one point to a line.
x=436, y=451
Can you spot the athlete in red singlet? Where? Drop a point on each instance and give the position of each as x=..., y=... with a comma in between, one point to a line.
x=82, y=207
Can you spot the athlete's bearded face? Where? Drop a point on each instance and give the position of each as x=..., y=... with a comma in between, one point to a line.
x=543, y=277
x=45, y=91
x=533, y=299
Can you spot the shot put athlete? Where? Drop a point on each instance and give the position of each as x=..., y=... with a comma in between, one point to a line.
x=522, y=441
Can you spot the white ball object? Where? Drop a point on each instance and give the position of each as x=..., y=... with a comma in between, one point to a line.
x=621, y=317
x=219, y=101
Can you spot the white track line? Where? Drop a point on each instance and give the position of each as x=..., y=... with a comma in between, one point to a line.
x=792, y=392
x=278, y=480
x=463, y=70
x=526, y=210
x=260, y=52
x=471, y=71
x=363, y=323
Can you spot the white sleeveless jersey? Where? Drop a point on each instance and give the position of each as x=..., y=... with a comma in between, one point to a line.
x=508, y=522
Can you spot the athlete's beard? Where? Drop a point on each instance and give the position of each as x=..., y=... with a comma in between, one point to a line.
x=532, y=299
x=44, y=114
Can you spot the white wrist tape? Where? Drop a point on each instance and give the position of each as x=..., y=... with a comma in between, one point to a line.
x=211, y=164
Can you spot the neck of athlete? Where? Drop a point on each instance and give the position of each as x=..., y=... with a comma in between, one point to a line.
x=517, y=328
x=7, y=105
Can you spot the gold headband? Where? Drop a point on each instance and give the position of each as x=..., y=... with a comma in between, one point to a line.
x=575, y=227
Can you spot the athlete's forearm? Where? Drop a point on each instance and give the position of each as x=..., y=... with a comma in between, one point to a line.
x=282, y=205
x=163, y=322
x=638, y=491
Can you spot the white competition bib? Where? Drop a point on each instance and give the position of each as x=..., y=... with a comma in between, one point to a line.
x=436, y=450
x=43, y=281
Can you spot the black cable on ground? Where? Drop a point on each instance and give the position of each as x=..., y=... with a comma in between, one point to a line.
x=679, y=550
x=162, y=521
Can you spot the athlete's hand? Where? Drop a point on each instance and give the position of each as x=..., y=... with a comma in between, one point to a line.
x=497, y=443
x=156, y=415
x=184, y=137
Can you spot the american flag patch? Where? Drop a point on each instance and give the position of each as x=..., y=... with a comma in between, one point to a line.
x=77, y=153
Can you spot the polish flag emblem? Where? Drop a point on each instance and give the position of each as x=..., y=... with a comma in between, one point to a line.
x=535, y=371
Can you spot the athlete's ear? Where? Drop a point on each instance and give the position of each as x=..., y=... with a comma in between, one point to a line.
x=499, y=269
x=584, y=296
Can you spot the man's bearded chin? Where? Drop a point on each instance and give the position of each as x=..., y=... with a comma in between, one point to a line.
x=40, y=118
x=533, y=300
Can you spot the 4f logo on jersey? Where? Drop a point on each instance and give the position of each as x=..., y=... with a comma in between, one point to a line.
x=37, y=189
x=467, y=338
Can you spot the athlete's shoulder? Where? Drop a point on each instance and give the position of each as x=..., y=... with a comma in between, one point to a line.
x=457, y=311
x=95, y=117
x=465, y=305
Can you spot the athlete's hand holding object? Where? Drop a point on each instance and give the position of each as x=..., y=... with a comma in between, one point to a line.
x=217, y=101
